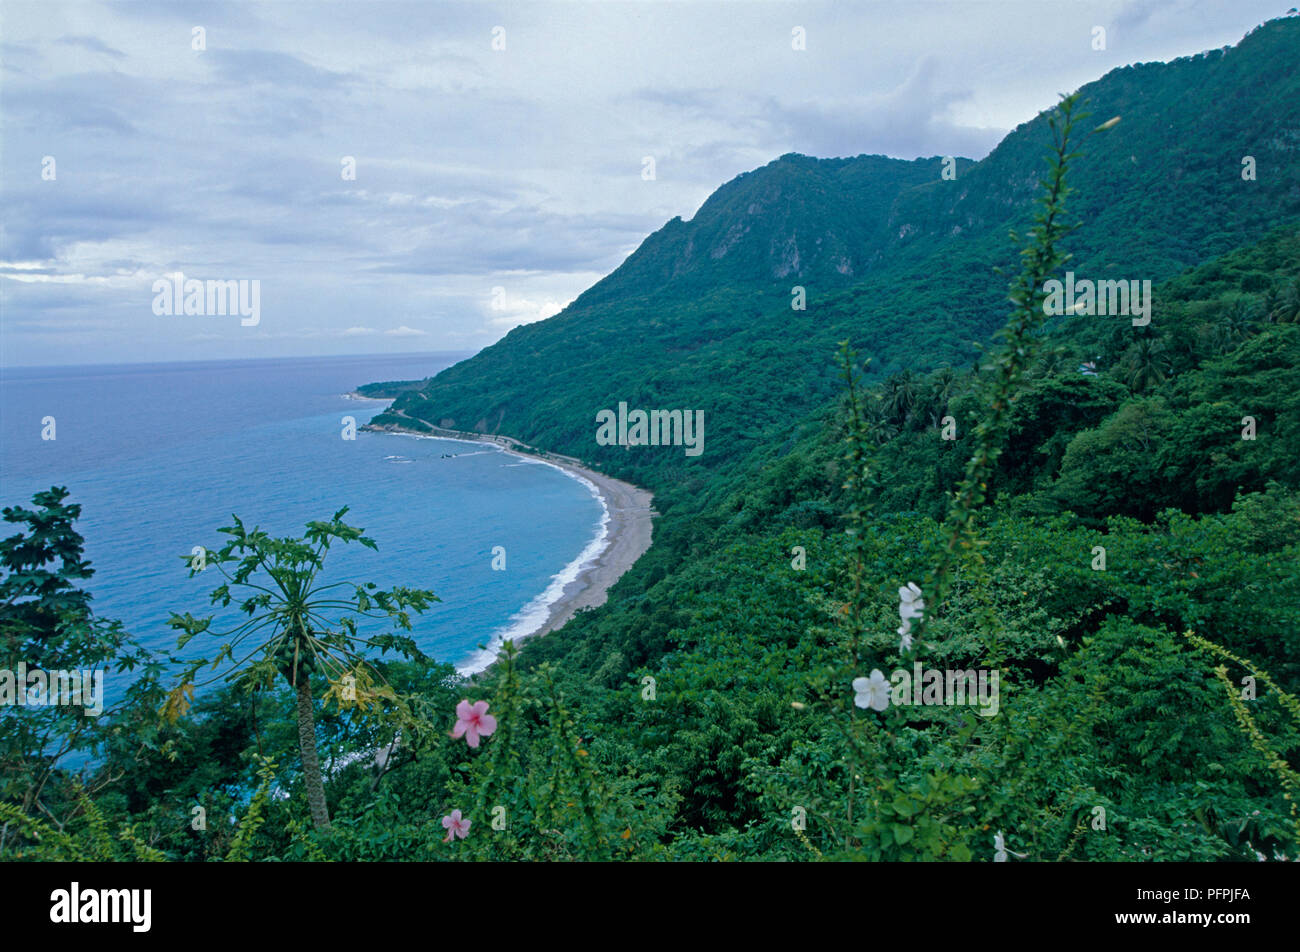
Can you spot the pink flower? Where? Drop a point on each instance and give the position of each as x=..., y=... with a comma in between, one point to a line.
x=455, y=826
x=473, y=721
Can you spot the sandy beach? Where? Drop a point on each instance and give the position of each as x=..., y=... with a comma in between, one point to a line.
x=627, y=534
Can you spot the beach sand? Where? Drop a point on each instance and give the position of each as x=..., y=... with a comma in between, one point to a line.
x=627, y=535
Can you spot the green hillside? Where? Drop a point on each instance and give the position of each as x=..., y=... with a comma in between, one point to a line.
x=1104, y=517
x=891, y=256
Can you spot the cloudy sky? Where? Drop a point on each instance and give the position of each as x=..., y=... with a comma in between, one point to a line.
x=499, y=148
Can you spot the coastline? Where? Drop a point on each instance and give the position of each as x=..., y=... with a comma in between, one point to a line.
x=625, y=535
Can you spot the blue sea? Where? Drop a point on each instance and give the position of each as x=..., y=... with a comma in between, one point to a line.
x=160, y=455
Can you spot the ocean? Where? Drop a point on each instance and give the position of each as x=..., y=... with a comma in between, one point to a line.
x=160, y=455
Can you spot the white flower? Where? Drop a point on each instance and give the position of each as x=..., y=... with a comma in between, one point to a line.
x=905, y=633
x=910, y=603
x=1001, y=851
x=871, y=692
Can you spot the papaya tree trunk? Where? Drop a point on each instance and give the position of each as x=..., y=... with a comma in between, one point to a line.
x=310, y=759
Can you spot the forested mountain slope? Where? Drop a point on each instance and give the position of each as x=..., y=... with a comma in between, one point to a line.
x=1125, y=562
x=890, y=255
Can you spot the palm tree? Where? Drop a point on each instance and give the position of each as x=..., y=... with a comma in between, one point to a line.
x=297, y=626
x=1051, y=361
x=943, y=384
x=900, y=396
x=879, y=426
x=1183, y=346
x=1270, y=305
x=1146, y=364
x=1243, y=320
x=1285, y=307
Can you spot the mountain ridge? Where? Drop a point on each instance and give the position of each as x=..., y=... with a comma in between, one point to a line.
x=905, y=263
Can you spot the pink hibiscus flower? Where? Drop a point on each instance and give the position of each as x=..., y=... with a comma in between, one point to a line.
x=473, y=721
x=455, y=826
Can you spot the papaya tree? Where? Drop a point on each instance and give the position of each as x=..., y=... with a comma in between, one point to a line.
x=297, y=626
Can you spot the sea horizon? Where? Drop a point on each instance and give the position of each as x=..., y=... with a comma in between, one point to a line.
x=378, y=356
x=288, y=411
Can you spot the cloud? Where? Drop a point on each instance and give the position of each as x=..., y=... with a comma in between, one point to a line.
x=277, y=69
x=475, y=169
x=909, y=121
x=94, y=44
x=507, y=311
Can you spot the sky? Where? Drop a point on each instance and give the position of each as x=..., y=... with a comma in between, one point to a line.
x=411, y=177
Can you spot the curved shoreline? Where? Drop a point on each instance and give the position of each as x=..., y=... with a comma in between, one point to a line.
x=625, y=535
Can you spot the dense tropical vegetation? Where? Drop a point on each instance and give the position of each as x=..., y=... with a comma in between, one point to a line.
x=1106, y=515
